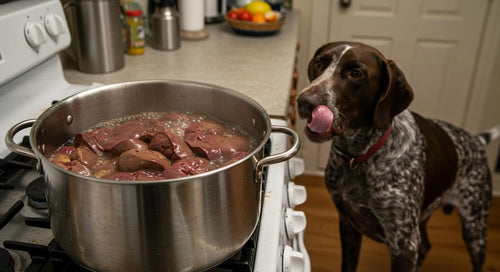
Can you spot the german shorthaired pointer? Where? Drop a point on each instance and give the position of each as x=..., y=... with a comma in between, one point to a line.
x=389, y=168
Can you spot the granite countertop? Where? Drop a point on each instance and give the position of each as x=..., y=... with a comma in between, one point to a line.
x=260, y=67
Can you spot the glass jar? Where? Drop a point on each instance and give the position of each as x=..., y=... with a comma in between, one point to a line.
x=136, y=42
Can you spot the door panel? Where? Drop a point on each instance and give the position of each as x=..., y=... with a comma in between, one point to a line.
x=440, y=9
x=377, y=8
x=438, y=55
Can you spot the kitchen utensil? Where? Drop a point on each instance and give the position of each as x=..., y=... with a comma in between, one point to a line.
x=184, y=224
x=166, y=26
x=97, y=36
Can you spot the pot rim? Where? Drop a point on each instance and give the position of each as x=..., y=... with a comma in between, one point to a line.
x=68, y=99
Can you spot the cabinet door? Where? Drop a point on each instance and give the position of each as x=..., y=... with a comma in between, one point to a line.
x=434, y=42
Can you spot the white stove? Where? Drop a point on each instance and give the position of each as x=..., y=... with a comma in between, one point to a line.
x=33, y=32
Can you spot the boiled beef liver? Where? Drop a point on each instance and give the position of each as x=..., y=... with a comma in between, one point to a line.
x=78, y=167
x=134, y=160
x=106, y=167
x=170, y=145
x=117, y=145
x=187, y=166
x=150, y=148
x=62, y=156
x=129, y=129
x=85, y=156
x=206, y=127
x=216, y=147
x=93, y=139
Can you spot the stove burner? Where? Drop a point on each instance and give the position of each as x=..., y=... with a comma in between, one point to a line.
x=14, y=166
x=51, y=258
x=6, y=262
x=36, y=194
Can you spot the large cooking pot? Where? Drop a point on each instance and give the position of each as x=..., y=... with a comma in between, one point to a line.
x=184, y=224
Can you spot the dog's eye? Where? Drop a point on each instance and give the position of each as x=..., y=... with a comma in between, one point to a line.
x=356, y=74
x=318, y=64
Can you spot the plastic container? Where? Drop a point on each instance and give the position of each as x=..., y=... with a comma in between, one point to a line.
x=136, y=35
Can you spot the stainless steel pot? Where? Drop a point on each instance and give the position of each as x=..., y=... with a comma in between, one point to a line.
x=184, y=224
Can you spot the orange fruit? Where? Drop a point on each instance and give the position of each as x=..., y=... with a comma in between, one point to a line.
x=259, y=17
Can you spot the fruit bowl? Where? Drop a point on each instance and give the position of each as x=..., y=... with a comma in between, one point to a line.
x=253, y=28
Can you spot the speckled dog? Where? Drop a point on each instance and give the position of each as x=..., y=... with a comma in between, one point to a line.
x=389, y=168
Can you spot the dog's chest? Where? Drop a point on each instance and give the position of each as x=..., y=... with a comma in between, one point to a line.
x=355, y=203
x=380, y=196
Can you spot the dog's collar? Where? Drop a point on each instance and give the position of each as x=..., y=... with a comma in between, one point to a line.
x=354, y=161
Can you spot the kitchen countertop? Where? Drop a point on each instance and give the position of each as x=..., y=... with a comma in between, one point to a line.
x=260, y=67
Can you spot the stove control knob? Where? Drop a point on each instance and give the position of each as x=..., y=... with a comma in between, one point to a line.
x=54, y=25
x=297, y=194
x=293, y=261
x=34, y=34
x=296, y=167
x=295, y=222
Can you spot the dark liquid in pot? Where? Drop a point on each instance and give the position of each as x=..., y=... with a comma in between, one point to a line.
x=154, y=146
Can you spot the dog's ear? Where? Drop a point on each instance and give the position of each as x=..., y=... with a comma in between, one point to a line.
x=395, y=98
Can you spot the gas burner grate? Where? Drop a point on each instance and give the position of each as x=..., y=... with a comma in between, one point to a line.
x=52, y=258
x=11, y=212
x=14, y=166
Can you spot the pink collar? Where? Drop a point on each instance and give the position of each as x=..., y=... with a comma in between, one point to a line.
x=354, y=161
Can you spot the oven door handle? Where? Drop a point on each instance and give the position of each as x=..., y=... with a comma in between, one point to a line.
x=9, y=139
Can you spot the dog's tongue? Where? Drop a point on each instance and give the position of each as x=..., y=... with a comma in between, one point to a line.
x=322, y=119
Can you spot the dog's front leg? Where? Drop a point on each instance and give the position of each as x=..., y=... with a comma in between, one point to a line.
x=350, y=240
x=404, y=253
x=402, y=263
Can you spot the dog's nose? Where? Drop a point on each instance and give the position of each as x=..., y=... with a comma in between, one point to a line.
x=306, y=102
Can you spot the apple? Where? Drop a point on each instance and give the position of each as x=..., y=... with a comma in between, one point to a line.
x=245, y=15
x=232, y=14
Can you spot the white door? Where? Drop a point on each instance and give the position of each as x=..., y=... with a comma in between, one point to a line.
x=434, y=42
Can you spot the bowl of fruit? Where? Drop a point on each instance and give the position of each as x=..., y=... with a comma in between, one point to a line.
x=255, y=19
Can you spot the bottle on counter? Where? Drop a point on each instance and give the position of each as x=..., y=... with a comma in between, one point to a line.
x=165, y=26
x=136, y=36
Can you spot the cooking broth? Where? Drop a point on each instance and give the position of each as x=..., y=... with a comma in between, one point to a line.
x=154, y=146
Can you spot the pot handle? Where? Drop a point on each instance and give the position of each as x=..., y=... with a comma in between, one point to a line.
x=280, y=157
x=9, y=138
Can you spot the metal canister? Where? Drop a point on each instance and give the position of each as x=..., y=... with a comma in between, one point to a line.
x=96, y=35
x=166, y=27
